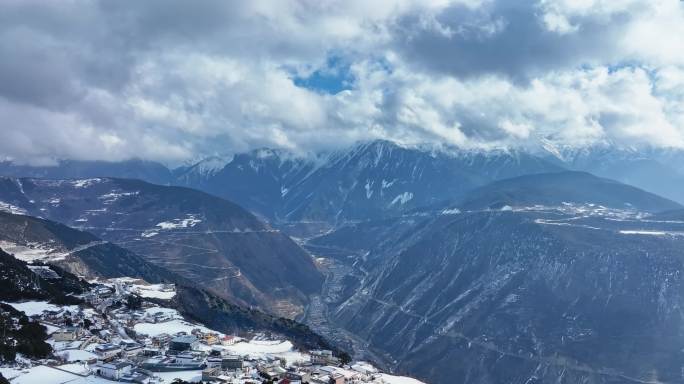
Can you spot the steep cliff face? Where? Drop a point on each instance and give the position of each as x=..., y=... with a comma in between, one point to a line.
x=204, y=238
x=503, y=294
x=579, y=288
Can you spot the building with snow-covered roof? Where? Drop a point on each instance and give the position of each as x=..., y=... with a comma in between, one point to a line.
x=113, y=370
x=108, y=351
x=67, y=334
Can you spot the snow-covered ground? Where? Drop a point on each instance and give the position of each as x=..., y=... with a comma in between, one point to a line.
x=260, y=348
x=141, y=288
x=167, y=311
x=11, y=373
x=31, y=308
x=191, y=376
x=42, y=374
x=72, y=355
x=389, y=379
x=32, y=251
x=155, y=291
x=170, y=327
x=79, y=369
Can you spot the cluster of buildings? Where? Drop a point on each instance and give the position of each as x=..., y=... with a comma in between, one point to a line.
x=149, y=344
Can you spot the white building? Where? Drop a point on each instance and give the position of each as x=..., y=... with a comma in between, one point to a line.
x=113, y=371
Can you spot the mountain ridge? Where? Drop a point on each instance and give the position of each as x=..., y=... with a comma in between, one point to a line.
x=199, y=235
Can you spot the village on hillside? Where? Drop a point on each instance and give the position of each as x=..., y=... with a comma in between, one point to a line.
x=121, y=334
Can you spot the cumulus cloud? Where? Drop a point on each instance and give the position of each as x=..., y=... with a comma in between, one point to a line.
x=172, y=80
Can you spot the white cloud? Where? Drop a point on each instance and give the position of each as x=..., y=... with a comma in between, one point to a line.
x=168, y=81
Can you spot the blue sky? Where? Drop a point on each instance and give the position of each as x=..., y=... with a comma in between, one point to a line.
x=334, y=77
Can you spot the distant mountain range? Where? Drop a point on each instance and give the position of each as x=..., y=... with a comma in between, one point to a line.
x=150, y=171
x=368, y=181
x=555, y=189
x=379, y=178
x=657, y=170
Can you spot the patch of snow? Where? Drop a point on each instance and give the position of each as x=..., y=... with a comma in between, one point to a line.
x=189, y=376
x=111, y=197
x=260, y=347
x=13, y=209
x=72, y=355
x=155, y=291
x=652, y=233
x=85, y=183
x=402, y=198
x=170, y=327
x=211, y=165
x=190, y=221
x=31, y=251
x=44, y=375
x=564, y=224
x=364, y=367
x=11, y=373
x=79, y=369
x=369, y=191
x=91, y=211
x=452, y=211
x=386, y=184
x=167, y=311
x=551, y=148
x=31, y=308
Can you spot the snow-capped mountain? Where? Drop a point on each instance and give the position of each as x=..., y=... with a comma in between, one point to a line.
x=658, y=170
x=196, y=173
x=379, y=178
x=369, y=180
